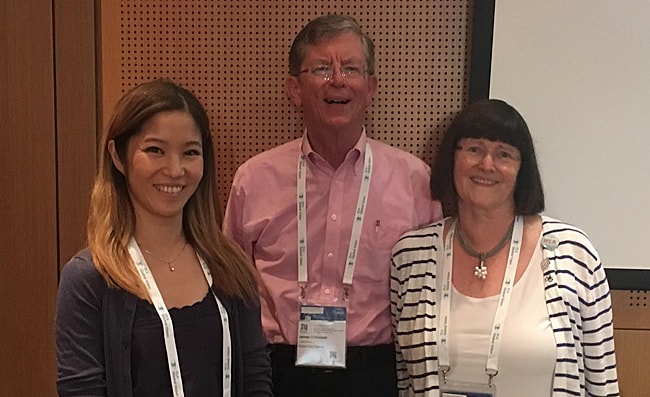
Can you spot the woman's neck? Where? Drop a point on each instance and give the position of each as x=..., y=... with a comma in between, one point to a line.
x=161, y=236
x=484, y=229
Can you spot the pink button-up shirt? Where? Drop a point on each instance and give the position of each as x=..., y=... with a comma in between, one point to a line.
x=261, y=217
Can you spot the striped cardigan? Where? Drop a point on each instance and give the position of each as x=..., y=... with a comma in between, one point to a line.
x=577, y=299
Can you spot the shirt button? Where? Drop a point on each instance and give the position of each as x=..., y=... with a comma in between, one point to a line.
x=330, y=255
x=333, y=217
x=327, y=291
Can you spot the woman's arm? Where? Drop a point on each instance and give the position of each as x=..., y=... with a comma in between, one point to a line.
x=396, y=305
x=598, y=337
x=78, y=330
x=256, y=359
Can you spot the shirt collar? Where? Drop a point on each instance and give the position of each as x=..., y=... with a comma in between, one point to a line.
x=358, y=150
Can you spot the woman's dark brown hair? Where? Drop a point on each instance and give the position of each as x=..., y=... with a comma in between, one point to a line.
x=497, y=121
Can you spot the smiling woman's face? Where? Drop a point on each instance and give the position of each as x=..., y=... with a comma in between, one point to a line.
x=163, y=165
x=485, y=173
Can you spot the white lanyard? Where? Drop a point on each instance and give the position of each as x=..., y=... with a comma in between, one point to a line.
x=301, y=209
x=491, y=367
x=168, y=327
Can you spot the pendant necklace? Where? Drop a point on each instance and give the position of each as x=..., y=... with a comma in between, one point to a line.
x=170, y=262
x=480, y=271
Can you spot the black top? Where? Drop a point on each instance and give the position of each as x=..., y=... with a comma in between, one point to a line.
x=198, y=333
x=94, y=331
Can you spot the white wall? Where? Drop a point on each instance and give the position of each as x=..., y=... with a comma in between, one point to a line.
x=578, y=71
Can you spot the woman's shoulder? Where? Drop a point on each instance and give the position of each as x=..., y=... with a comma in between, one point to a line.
x=563, y=231
x=81, y=262
x=80, y=270
x=569, y=242
x=415, y=243
x=423, y=235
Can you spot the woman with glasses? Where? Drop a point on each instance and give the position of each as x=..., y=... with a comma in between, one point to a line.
x=496, y=297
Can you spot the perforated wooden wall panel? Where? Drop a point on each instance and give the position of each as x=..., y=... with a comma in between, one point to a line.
x=233, y=56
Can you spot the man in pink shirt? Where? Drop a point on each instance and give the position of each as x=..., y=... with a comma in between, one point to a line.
x=320, y=215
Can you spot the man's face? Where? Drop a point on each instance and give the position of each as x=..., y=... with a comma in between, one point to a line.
x=334, y=88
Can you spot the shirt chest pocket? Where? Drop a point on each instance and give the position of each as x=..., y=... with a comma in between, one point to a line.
x=375, y=252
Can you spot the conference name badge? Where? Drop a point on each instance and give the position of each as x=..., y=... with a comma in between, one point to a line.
x=466, y=389
x=321, y=336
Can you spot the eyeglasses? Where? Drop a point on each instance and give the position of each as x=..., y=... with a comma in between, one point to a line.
x=502, y=156
x=326, y=72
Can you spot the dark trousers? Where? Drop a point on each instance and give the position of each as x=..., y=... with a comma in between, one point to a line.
x=370, y=372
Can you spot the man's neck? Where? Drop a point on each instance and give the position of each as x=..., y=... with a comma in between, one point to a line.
x=333, y=146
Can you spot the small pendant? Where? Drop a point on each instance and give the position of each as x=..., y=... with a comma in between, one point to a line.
x=171, y=266
x=480, y=271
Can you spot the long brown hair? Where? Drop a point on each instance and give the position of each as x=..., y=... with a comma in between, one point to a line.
x=111, y=221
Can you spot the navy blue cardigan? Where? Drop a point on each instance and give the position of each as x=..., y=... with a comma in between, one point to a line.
x=93, y=337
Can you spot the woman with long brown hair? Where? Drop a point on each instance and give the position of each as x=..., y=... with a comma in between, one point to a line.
x=160, y=303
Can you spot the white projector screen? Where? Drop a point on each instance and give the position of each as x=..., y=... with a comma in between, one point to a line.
x=579, y=73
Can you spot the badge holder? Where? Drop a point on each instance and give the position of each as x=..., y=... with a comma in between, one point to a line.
x=463, y=389
x=321, y=336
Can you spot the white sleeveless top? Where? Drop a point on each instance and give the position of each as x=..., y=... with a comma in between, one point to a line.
x=528, y=350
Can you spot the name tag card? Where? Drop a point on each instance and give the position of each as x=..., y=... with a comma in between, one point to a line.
x=321, y=336
x=463, y=389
